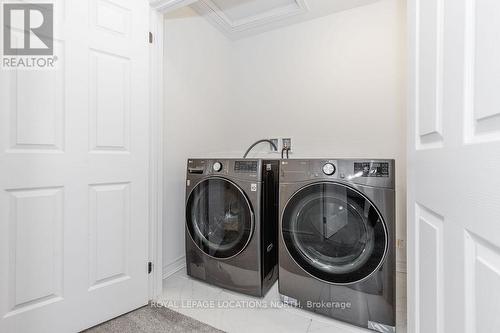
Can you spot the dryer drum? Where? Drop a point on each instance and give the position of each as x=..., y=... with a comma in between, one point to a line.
x=219, y=218
x=334, y=233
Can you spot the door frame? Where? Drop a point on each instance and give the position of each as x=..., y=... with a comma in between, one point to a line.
x=411, y=266
x=156, y=189
x=155, y=152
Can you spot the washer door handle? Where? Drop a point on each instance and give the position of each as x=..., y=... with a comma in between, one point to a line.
x=270, y=247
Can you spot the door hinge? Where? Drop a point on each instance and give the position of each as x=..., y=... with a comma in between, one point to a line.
x=150, y=267
x=150, y=37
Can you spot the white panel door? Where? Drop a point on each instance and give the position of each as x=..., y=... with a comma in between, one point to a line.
x=73, y=174
x=454, y=166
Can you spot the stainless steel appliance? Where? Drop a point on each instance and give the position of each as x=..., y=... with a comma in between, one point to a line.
x=337, y=235
x=232, y=223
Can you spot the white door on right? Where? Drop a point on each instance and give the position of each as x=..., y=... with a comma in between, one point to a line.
x=454, y=166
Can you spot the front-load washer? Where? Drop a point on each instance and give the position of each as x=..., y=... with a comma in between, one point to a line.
x=336, y=239
x=232, y=223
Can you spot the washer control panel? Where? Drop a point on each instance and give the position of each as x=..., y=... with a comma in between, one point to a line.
x=242, y=169
x=245, y=166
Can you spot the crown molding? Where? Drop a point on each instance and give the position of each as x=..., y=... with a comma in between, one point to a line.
x=165, y=6
x=234, y=28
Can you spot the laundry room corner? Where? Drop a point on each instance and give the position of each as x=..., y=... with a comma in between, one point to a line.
x=336, y=85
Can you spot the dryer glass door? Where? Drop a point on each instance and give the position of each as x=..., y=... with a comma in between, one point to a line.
x=219, y=218
x=334, y=233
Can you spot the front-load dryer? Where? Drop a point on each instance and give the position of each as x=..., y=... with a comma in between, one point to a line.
x=337, y=235
x=232, y=223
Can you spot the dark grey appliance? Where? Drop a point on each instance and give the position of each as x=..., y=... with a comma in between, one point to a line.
x=337, y=235
x=232, y=223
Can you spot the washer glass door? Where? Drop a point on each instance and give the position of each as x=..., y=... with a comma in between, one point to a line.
x=219, y=218
x=334, y=233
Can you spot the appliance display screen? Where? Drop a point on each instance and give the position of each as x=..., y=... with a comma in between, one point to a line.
x=245, y=166
x=373, y=169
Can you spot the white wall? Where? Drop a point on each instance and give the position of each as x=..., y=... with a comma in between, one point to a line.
x=335, y=85
x=197, y=78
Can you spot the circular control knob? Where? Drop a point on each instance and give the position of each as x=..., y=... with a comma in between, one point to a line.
x=329, y=169
x=217, y=166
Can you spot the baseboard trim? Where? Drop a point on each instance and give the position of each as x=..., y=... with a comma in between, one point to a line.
x=401, y=267
x=174, y=267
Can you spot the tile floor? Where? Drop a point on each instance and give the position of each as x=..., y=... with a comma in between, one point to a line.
x=196, y=299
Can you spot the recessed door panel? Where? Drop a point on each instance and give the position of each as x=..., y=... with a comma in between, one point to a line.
x=109, y=233
x=482, y=262
x=112, y=17
x=35, y=243
x=430, y=283
x=110, y=101
x=37, y=107
x=430, y=73
x=482, y=71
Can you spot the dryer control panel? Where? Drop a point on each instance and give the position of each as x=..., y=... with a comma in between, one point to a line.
x=372, y=169
x=375, y=172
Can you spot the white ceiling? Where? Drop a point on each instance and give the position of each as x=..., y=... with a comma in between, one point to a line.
x=243, y=18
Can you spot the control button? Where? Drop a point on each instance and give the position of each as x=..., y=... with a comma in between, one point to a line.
x=217, y=166
x=329, y=169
